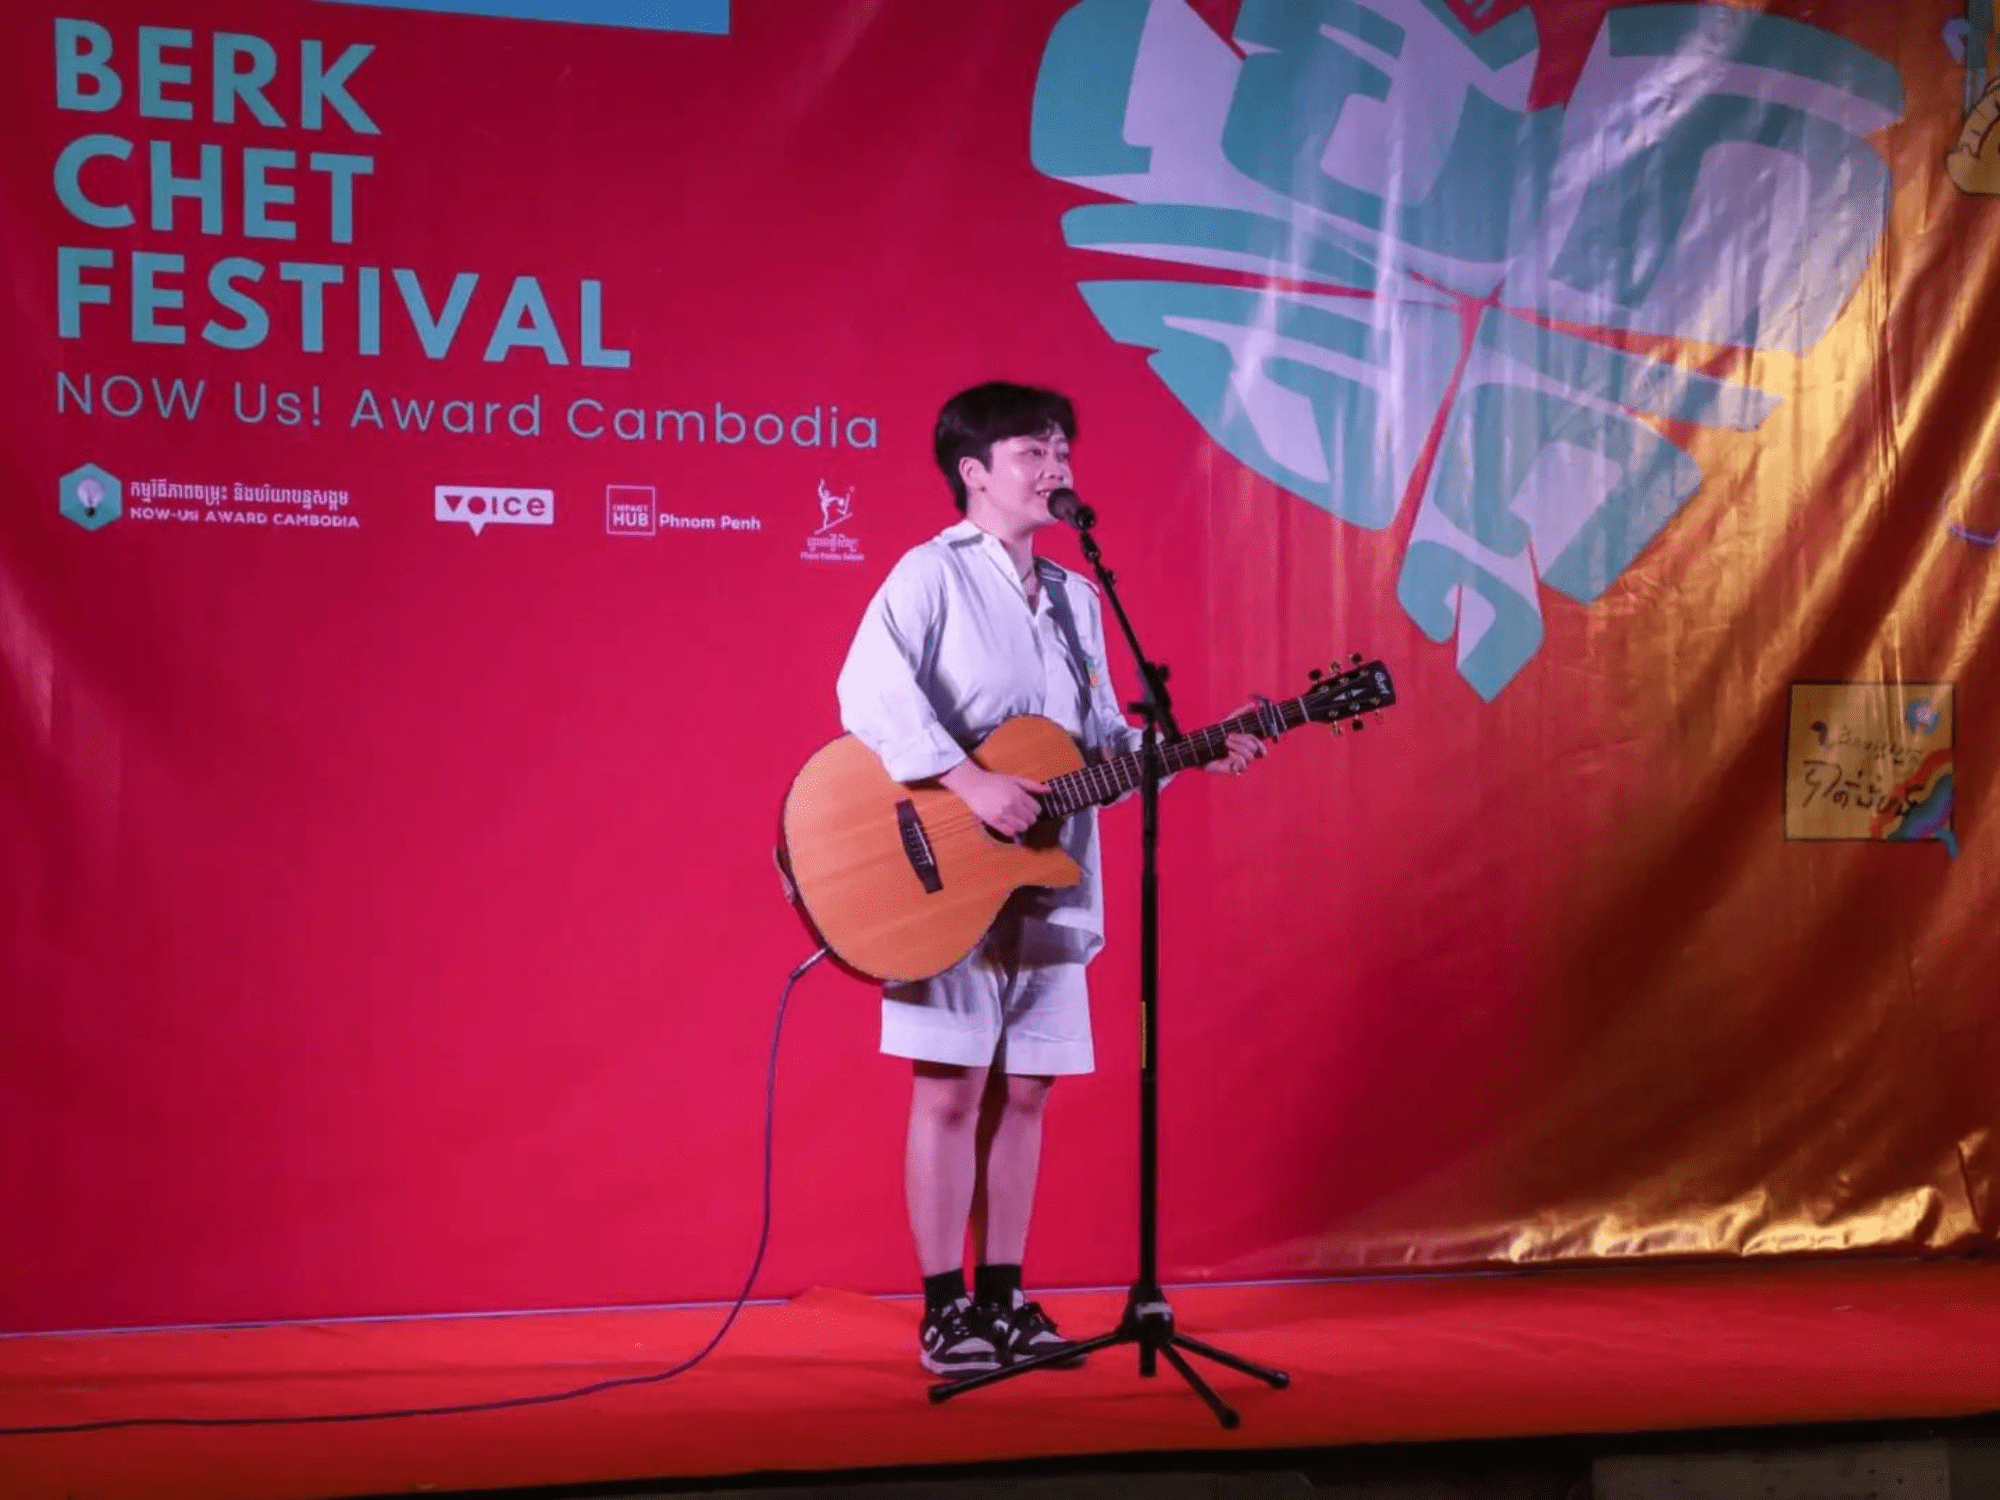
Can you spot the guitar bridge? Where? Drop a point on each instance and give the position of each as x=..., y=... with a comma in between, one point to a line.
x=917, y=847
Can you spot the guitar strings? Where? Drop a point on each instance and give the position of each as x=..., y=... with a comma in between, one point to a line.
x=1108, y=779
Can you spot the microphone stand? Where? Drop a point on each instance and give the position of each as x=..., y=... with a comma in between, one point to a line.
x=1149, y=1318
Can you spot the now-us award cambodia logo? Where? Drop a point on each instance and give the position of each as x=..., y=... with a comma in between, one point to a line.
x=91, y=497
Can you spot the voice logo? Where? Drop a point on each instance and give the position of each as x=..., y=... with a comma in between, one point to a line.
x=480, y=506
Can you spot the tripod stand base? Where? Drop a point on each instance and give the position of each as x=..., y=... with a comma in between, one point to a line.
x=1149, y=1323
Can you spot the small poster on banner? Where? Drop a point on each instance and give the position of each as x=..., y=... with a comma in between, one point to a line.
x=1870, y=760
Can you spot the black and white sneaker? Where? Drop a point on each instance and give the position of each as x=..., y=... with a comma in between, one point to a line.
x=1024, y=1332
x=954, y=1342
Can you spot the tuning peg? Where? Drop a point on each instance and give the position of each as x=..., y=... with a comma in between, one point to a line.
x=1359, y=725
x=1315, y=674
x=1355, y=657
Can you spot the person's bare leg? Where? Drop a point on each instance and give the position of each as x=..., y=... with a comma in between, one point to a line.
x=1010, y=1156
x=1009, y=1161
x=940, y=1162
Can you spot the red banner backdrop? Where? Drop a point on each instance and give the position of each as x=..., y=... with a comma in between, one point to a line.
x=448, y=454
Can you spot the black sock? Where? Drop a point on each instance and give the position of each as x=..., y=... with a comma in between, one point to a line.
x=943, y=1289
x=996, y=1284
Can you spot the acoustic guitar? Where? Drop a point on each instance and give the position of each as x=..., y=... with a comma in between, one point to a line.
x=901, y=880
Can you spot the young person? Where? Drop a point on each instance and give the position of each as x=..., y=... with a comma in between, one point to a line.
x=969, y=629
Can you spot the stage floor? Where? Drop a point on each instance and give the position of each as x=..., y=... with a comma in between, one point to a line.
x=829, y=1381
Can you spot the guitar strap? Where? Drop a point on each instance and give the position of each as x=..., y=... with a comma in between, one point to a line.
x=1058, y=597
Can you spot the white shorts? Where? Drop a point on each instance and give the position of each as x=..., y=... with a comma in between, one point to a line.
x=1016, y=1003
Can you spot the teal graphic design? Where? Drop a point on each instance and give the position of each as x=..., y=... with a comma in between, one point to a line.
x=1479, y=14
x=1451, y=274
x=1969, y=38
x=710, y=17
x=91, y=497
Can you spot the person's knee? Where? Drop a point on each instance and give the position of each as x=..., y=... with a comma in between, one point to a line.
x=947, y=1099
x=1027, y=1096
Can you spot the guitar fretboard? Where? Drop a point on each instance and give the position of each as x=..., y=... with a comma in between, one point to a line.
x=1108, y=780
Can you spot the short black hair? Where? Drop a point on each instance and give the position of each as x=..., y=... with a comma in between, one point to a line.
x=971, y=422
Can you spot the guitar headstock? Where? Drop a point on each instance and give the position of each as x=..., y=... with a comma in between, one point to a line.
x=1361, y=688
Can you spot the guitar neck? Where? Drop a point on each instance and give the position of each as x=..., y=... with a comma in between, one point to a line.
x=1108, y=780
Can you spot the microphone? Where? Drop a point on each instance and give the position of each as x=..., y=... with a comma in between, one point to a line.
x=1067, y=508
